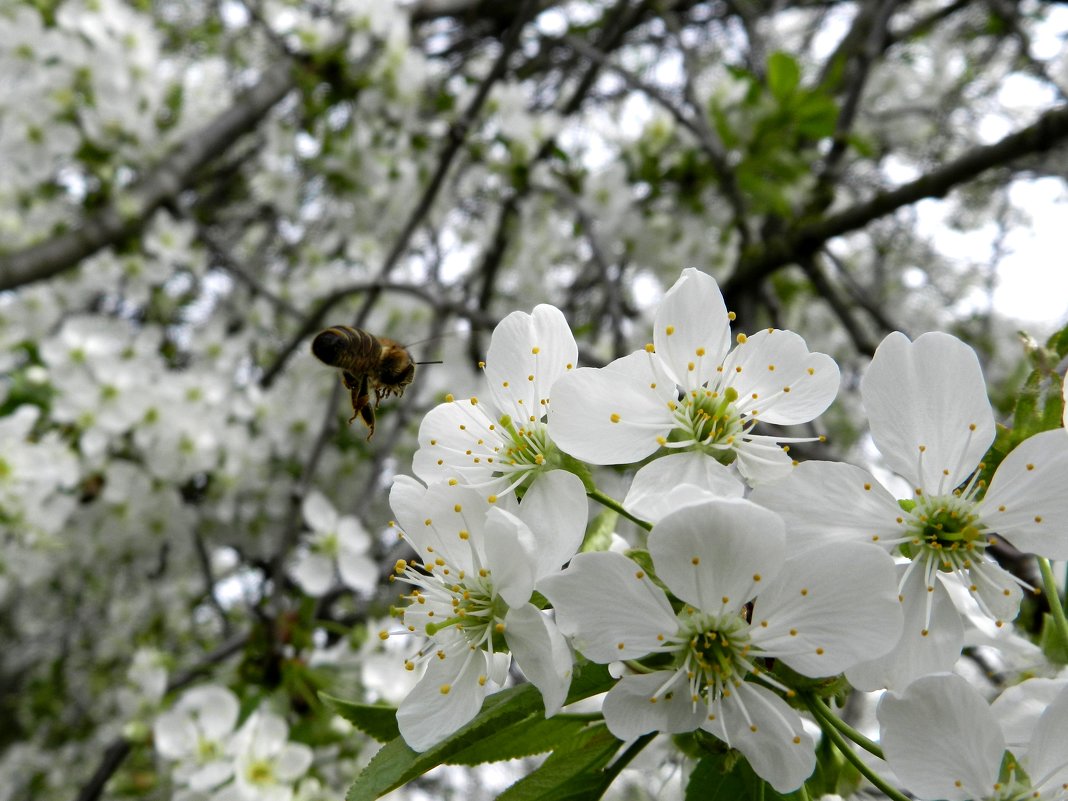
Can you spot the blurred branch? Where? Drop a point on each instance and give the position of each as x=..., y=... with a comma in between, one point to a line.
x=454, y=141
x=131, y=213
x=806, y=238
x=115, y=754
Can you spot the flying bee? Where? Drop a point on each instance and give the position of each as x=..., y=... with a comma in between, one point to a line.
x=367, y=364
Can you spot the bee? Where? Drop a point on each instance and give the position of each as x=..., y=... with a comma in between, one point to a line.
x=367, y=364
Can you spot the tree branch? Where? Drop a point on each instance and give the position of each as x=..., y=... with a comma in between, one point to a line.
x=806, y=238
x=130, y=214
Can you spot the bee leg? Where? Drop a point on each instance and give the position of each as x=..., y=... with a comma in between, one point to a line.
x=368, y=415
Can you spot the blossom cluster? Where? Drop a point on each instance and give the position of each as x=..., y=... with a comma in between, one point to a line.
x=747, y=568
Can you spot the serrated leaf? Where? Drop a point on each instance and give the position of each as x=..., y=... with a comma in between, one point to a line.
x=573, y=772
x=396, y=764
x=784, y=75
x=530, y=736
x=713, y=780
x=377, y=720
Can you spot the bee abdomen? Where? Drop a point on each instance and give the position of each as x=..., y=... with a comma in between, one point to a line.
x=350, y=349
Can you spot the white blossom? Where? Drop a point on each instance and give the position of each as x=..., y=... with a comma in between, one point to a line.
x=688, y=390
x=932, y=422
x=716, y=557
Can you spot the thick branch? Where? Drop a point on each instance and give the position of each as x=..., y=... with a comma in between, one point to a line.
x=159, y=185
x=805, y=239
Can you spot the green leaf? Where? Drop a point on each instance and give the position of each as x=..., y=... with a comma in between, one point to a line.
x=816, y=116
x=397, y=764
x=377, y=720
x=784, y=75
x=729, y=777
x=574, y=772
x=532, y=735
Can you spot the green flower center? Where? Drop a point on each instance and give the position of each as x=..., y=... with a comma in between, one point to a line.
x=945, y=526
x=714, y=653
x=710, y=419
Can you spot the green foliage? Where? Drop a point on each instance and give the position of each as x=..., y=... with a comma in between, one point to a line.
x=1039, y=403
x=511, y=724
x=377, y=720
x=575, y=771
x=725, y=777
x=772, y=131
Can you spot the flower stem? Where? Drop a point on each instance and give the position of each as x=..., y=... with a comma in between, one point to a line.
x=1049, y=584
x=832, y=733
x=824, y=713
x=616, y=506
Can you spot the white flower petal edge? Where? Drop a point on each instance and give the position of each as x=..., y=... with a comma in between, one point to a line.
x=718, y=554
x=931, y=637
x=449, y=695
x=1018, y=709
x=825, y=503
x=527, y=354
x=1048, y=752
x=1027, y=501
x=768, y=732
x=691, y=327
x=588, y=597
x=608, y=416
x=541, y=652
x=556, y=510
x=821, y=616
x=928, y=409
x=318, y=512
x=676, y=480
x=941, y=739
x=629, y=714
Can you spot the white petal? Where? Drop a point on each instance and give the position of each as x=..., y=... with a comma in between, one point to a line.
x=430, y=713
x=314, y=572
x=292, y=762
x=824, y=503
x=351, y=535
x=527, y=354
x=556, y=509
x=762, y=459
x=541, y=652
x=510, y=547
x=604, y=416
x=609, y=607
x=657, y=701
x=790, y=384
x=318, y=512
x=768, y=732
x=441, y=520
x=996, y=587
x=456, y=441
x=924, y=647
x=1018, y=709
x=174, y=735
x=214, y=708
x=358, y=571
x=654, y=491
x=205, y=777
x=1048, y=753
x=692, y=318
x=1031, y=483
x=718, y=554
x=825, y=615
x=940, y=732
x=267, y=734
x=928, y=393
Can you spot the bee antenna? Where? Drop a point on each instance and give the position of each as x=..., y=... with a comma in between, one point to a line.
x=439, y=361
